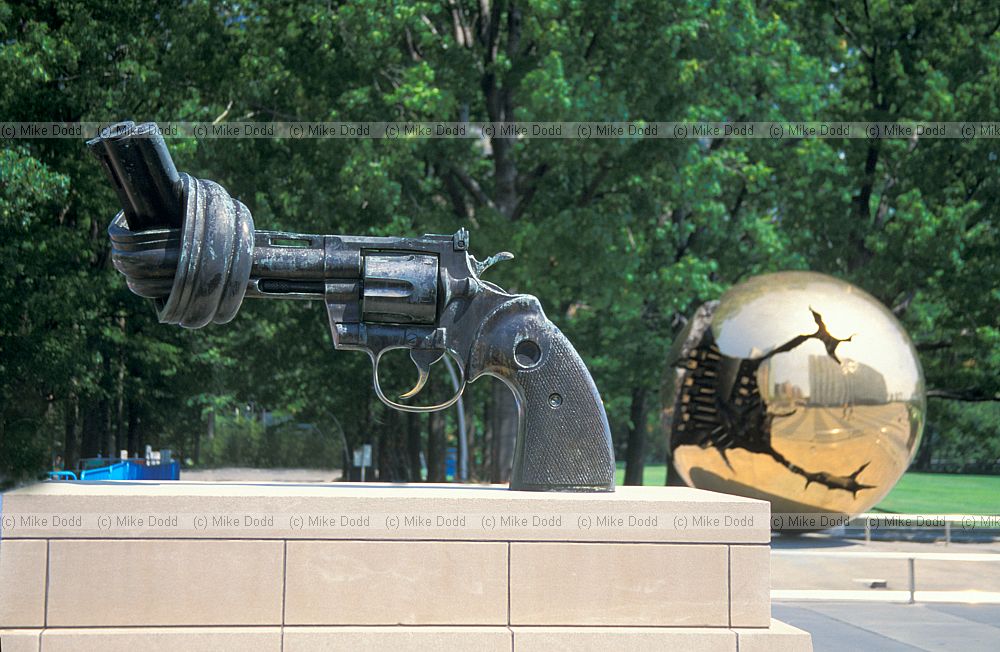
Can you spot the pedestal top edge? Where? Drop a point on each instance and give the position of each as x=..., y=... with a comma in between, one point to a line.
x=368, y=491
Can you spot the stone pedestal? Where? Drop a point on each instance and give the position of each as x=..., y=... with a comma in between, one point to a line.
x=219, y=566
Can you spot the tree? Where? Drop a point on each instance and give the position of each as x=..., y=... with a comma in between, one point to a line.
x=621, y=238
x=911, y=221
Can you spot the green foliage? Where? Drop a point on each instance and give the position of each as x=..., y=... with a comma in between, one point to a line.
x=962, y=438
x=31, y=316
x=244, y=441
x=912, y=221
x=620, y=238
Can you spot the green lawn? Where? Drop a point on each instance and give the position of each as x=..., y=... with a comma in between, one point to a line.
x=654, y=475
x=916, y=493
x=941, y=493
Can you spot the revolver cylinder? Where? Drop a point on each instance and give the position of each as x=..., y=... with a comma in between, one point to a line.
x=400, y=289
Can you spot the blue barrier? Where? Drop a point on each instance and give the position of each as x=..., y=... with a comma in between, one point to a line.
x=129, y=470
x=170, y=471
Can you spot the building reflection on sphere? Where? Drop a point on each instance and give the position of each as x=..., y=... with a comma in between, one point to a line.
x=796, y=388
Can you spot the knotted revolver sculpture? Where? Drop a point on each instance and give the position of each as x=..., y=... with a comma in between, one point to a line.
x=192, y=249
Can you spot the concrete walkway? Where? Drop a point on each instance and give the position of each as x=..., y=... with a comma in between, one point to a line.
x=838, y=626
x=946, y=568
x=878, y=625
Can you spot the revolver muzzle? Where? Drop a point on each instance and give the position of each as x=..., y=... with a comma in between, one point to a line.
x=183, y=242
x=136, y=159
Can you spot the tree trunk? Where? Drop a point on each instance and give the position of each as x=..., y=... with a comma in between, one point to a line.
x=364, y=435
x=503, y=425
x=119, y=415
x=92, y=427
x=498, y=34
x=470, y=437
x=435, y=447
x=195, y=445
x=133, y=444
x=71, y=445
x=413, y=446
x=393, y=453
x=209, y=436
x=382, y=453
x=925, y=453
x=107, y=432
x=635, y=455
x=121, y=369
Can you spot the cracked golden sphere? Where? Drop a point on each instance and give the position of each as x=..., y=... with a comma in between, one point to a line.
x=796, y=388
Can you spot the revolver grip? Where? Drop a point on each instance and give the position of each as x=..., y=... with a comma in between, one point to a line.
x=563, y=440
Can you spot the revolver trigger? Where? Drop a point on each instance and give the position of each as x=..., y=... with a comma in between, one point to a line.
x=421, y=381
x=491, y=261
x=423, y=359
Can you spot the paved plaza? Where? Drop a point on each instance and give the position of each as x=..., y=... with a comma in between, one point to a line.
x=886, y=625
x=839, y=626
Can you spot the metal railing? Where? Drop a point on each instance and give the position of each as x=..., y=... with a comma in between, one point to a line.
x=948, y=524
x=911, y=595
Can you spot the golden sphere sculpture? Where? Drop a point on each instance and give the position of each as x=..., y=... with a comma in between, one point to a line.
x=796, y=388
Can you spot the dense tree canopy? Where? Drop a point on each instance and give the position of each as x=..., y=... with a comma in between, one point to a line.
x=620, y=238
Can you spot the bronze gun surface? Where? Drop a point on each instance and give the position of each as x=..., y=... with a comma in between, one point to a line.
x=192, y=249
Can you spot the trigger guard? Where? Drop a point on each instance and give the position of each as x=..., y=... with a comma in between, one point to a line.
x=377, y=358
